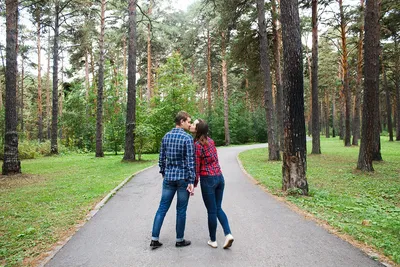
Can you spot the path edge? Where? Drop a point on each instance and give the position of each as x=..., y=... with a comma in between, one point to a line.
x=371, y=252
x=61, y=243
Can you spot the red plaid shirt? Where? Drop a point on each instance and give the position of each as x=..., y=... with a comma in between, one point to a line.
x=206, y=159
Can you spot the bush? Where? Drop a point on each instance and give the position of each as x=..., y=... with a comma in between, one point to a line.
x=32, y=149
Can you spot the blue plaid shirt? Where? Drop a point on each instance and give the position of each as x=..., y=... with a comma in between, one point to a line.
x=177, y=156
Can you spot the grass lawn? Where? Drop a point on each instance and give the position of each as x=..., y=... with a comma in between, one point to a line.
x=53, y=194
x=365, y=206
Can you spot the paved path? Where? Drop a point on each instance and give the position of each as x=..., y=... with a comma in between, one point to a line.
x=266, y=232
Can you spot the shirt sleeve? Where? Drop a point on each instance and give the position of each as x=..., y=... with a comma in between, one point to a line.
x=190, y=159
x=161, y=160
x=198, y=162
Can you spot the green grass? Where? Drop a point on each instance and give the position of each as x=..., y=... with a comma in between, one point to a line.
x=365, y=206
x=53, y=194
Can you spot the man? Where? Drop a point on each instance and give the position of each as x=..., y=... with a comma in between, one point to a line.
x=177, y=168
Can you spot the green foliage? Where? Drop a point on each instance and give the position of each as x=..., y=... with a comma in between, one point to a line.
x=114, y=136
x=176, y=91
x=366, y=206
x=79, y=121
x=144, y=135
x=29, y=149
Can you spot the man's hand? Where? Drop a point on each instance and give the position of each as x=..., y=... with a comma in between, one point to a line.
x=190, y=189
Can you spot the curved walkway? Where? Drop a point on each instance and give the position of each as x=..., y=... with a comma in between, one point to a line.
x=267, y=233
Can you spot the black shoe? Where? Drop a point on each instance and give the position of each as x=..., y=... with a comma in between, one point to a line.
x=155, y=244
x=183, y=243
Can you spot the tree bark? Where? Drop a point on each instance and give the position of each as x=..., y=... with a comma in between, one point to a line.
x=357, y=97
x=371, y=85
x=273, y=148
x=333, y=115
x=87, y=83
x=316, y=147
x=21, y=112
x=39, y=79
x=54, y=121
x=131, y=104
x=99, y=120
x=397, y=84
x=278, y=72
x=376, y=154
x=48, y=106
x=11, y=162
x=327, y=133
x=225, y=89
x=388, y=104
x=150, y=92
x=124, y=71
x=209, y=71
x=346, y=87
x=294, y=152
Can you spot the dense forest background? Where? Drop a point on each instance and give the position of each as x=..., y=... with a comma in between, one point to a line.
x=206, y=60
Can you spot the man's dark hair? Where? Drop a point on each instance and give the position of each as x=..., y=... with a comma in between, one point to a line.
x=182, y=115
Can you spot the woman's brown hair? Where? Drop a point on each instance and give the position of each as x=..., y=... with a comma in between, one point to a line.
x=202, y=132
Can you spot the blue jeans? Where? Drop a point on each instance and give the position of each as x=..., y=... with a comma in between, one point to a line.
x=168, y=193
x=212, y=190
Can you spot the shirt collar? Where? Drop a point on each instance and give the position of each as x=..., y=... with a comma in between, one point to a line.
x=178, y=129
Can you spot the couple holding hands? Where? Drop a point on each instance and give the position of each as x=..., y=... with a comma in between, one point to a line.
x=183, y=162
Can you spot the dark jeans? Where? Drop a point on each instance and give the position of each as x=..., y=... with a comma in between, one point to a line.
x=168, y=193
x=212, y=190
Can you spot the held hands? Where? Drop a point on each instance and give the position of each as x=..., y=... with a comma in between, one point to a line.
x=190, y=189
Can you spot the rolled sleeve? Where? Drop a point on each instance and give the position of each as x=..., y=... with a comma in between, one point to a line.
x=190, y=159
x=162, y=157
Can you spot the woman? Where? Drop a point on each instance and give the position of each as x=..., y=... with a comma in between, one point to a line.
x=211, y=182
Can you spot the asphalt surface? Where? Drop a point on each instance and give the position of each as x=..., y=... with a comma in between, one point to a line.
x=266, y=231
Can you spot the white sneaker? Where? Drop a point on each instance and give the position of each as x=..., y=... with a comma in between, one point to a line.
x=228, y=241
x=212, y=244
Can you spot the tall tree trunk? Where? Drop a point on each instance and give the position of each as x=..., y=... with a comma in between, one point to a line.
x=131, y=105
x=4, y=71
x=341, y=104
x=388, y=104
x=54, y=121
x=309, y=115
x=150, y=92
x=371, y=85
x=273, y=148
x=346, y=87
x=11, y=162
x=1, y=95
x=327, y=133
x=39, y=79
x=87, y=83
x=278, y=72
x=394, y=113
x=376, y=154
x=316, y=147
x=124, y=71
x=225, y=89
x=92, y=59
x=61, y=96
x=397, y=84
x=333, y=115
x=48, y=106
x=357, y=97
x=21, y=112
x=99, y=120
x=294, y=152
x=209, y=71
